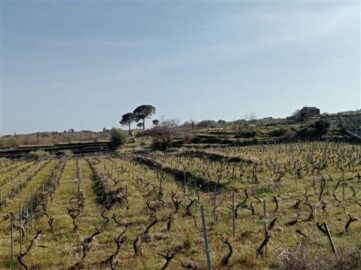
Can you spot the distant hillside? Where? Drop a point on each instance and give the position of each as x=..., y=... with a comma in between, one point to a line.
x=335, y=126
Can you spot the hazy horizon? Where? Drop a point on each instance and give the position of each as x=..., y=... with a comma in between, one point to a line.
x=150, y=125
x=83, y=64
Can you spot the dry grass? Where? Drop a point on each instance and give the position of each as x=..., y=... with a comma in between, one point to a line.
x=62, y=249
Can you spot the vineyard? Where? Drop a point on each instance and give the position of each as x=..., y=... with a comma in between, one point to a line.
x=282, y=206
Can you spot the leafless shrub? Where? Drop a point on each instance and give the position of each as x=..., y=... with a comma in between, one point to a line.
x=168, y=257
x=276, y=201
x=267, y=237
x=86, y=244
x=296, y=204
x=119, y=240
x=350, y=220
x=124, y=224
x=170, y=221
x=23, y=254
x=250, y=207
x=188, y=212
x=299, y=259
x=225, y=259
x=175, y=202
x=140, y=237
x=50, y=221
x=74, y=214
x=106, y=218
x=272, y=224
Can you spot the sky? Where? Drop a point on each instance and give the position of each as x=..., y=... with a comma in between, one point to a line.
x=82, y=64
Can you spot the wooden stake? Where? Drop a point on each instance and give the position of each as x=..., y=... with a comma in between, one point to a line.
x=215, y=204
x=12, y=240
x=331, y=241
x=264, y=216
x=314, y=181
x=343, y=185
x=264, y=219
x=1, y=199
x=205, y=236
x=20, y=234
x=233, y=215
x=185, y=187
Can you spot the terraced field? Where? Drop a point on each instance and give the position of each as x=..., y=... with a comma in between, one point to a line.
x=266, y=207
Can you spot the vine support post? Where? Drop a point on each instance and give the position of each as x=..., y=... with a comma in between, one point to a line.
x=205, y=236
x=185, y=187
x=343, y=184
x=19, y=211
x=233, y=215
x=31, y=204
x=20, y=234
x=264, y=220
x=314, y=181
x=215, y=204
x=331, y=242
x=12, y=240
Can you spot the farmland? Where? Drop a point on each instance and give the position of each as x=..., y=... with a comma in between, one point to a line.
x=134, y=211
x=266, y=207
x=180, y=135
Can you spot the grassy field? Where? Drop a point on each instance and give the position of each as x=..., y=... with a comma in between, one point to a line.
x=143, y=211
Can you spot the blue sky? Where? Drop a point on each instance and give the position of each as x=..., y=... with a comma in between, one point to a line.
x=82, y=64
